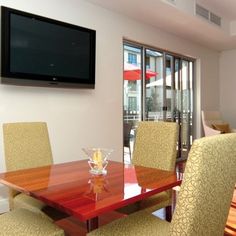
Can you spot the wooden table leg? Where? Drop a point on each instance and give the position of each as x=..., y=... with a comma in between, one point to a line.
x=92, y=224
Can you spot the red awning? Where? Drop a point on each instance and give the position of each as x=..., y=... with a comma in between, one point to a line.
x=132, y=73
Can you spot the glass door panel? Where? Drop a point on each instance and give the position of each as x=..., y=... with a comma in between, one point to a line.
x=191, y=103
x=132, y=94
x=185, y=106
x=132, y=84
x=169, y=107
x=178, y=100
x=153, y=85
x=186, y=111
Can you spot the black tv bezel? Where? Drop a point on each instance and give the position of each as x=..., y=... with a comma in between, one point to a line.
x=18, y=78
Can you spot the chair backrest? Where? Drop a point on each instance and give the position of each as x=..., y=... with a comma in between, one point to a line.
x=155, y=145
x=211, y=116
x=208, y=118
x=207, y=188
x=26, y=145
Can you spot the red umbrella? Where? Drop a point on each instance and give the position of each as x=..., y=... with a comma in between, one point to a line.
x=132, y=73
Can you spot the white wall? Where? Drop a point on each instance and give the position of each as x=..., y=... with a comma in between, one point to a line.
x=228, y=86
x=79, y=118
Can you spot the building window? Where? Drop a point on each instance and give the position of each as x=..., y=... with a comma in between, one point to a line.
x=132, y=104
x=147, y=62
x=132, y=58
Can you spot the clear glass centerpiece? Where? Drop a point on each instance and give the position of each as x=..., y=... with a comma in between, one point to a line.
x=98, y=159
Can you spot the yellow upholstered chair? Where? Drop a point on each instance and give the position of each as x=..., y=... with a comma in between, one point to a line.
x=22, y=222
x=26, y=145
x=204, y=199
x=155, y=146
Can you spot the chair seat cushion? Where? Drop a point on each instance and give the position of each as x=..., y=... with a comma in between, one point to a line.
x=25, y=201
x=152, y=203
x=129, y=209
x=156, y=202
x=22, y=222
x=138, y=224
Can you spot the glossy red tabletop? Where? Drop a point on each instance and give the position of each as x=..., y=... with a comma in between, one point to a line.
x=71, y=188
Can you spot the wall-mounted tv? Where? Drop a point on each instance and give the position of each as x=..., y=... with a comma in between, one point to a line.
x=39, y=51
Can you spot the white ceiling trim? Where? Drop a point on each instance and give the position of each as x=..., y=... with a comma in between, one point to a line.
x=183, y=21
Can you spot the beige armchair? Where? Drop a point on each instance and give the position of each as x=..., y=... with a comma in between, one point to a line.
x=214, y=124
x=204, y=199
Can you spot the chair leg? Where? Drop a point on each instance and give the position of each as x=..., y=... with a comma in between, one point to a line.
x=168, y=210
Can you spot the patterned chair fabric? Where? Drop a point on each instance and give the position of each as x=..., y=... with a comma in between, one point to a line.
x=207, y=188
x=22, y=222
x=26, y=145
x=155, y=146
x=204, y=199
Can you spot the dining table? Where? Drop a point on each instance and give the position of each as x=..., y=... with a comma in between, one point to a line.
x=72, y=189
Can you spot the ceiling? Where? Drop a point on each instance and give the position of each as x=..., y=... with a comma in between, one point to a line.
x=179, y=22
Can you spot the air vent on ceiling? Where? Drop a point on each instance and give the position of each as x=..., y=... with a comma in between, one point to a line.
x=207, y=15
x=171, y=1
x=201, y=11
x=215, y=19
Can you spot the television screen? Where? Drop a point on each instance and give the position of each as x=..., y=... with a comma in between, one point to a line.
x=41, y=51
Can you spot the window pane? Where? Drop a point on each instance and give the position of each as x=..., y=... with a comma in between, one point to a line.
x=132, y=100
x=170, y=92
x=154, y=85
x=132, y=58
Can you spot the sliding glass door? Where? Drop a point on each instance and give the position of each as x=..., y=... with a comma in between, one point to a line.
x=132, y=84
x=153, y=90
x=158, y=86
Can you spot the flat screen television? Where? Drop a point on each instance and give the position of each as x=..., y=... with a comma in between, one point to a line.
x=39, y=51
